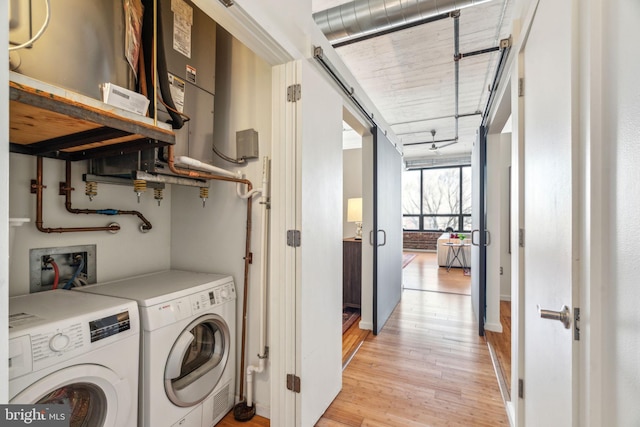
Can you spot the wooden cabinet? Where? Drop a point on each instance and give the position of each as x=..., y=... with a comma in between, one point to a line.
x=351, y=272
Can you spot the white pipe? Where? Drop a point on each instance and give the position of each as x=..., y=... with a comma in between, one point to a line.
x=264, y=242
x=197, y=164
x=247, y=194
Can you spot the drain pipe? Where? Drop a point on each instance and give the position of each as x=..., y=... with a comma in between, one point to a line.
x=456, y=57
x=264, y=201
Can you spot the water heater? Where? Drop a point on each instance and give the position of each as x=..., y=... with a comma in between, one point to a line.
x=82, y=47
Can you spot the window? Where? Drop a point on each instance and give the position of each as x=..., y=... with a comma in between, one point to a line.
x=437, y=198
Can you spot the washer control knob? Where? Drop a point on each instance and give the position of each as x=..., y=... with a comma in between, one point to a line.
x=224, y=294
x=59, y=342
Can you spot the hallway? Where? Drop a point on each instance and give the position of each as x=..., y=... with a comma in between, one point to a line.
x=428, y=367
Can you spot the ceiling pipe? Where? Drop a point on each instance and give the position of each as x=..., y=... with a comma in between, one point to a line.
x=428, y=119
x=361, y=17
x=456, y=62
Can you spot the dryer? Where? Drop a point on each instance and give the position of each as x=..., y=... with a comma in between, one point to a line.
x=187, y=371
x=79, y=349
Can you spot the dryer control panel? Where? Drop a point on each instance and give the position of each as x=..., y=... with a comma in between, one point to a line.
x=167, y=313
x=213, y=297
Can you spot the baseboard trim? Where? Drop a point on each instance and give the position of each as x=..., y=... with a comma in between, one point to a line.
x=505, y=297
x=367, y=326
x=493, y=327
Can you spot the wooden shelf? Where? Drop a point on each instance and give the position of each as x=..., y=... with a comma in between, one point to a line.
x=52, y=122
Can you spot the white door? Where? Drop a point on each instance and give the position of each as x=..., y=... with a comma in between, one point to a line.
x=478, y=227
x=387, y=223
x=551, y=214
x=307, y=279
x=319, y=289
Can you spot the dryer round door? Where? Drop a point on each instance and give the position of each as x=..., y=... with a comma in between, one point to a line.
x=95, y=394
x=197, y=360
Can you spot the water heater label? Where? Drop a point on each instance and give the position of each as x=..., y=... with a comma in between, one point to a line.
x=182, y=23
x=176, y=86
x=191, y=74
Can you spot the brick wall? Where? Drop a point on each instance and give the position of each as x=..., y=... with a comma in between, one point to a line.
x=423, y=240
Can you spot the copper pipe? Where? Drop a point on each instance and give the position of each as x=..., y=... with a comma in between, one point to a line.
x=37, y=187
x=67, y=189
x=247, y=251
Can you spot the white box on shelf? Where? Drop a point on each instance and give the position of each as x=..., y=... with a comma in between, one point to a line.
x=124, y=98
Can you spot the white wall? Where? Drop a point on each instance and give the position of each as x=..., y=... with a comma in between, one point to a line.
x=213, y=238
x=621, y=204
x=352, y=175
x=126, y=253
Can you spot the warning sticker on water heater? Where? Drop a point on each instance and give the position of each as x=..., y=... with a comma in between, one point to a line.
x=182, y=23
x=176, y=86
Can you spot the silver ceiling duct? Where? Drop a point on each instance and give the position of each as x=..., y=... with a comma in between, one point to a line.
x=362, y=17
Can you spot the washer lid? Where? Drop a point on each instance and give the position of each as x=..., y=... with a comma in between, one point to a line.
x=197, y=360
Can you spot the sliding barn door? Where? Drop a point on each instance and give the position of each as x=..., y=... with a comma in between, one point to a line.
x=386, y=236
x=479, y=234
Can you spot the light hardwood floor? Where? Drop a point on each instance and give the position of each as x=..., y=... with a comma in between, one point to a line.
x=428, y=367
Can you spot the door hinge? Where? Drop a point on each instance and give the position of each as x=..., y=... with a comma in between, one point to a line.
x=293, y=383
x=293, y=238
x=576, y=323
x=521, y=388
x=521, y=238
x=521, y=87
x=294, y=93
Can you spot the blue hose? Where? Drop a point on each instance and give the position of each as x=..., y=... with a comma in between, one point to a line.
x=69, y=284
x=108, y=211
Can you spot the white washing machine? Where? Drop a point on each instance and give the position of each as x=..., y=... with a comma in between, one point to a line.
x=77, y=349
x=187, y=371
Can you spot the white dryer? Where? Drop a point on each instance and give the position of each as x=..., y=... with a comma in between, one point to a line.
x=76, y=349
x=188, y=345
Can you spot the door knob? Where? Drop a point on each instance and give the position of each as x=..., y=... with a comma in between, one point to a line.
x=564, y=315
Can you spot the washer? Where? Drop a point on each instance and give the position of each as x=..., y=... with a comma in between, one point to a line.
x=79, y=349
x=188, y=345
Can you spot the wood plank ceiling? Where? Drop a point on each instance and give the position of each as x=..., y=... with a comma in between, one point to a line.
x=409, y=75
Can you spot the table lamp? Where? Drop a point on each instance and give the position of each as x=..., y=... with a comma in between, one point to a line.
x=354, y=214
